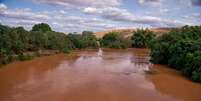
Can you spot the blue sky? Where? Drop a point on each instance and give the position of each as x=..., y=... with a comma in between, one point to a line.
x=98, y=15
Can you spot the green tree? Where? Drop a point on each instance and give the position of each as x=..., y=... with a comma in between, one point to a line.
x=42, y=27
x=89, y=39
x=16, y=42
x=85, y=40
x=114, y=40
x=180, y=49
x=142, y=38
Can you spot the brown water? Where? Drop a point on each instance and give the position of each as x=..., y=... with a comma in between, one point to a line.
x=89, y=75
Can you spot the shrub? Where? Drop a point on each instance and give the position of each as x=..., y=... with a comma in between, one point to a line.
x=85, y=40
x=142, y=38
x=180, y=49
x=24, y=57
x=115, y=40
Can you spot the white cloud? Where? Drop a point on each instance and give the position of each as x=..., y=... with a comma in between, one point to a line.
x=81, y=3
x=165, y=10
x=150, y=2
x=194, y=16
x=111, y=13
x=100, y=15
x=112, y=17
x=91, y=10
x=57, y=19
x=122, y=15
x=197, y=15
x=24, y=14
x=3, y=7
x=62, y=12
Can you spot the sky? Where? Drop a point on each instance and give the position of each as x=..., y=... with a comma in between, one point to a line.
x=98, y=15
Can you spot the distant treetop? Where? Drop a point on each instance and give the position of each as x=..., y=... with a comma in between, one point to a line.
x=42, y=27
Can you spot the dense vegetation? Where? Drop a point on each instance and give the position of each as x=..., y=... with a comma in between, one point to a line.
x=85, y=40
x=115, y=40
x=180, y=49
x=142, y=38
x=17, y=43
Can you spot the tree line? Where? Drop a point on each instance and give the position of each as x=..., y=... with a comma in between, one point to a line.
x=141, y=38
x=15, y=42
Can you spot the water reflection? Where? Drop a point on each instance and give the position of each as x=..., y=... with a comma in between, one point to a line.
x=89, y=75
x=100, y=52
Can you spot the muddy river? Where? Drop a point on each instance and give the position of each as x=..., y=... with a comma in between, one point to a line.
x=95, y=75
